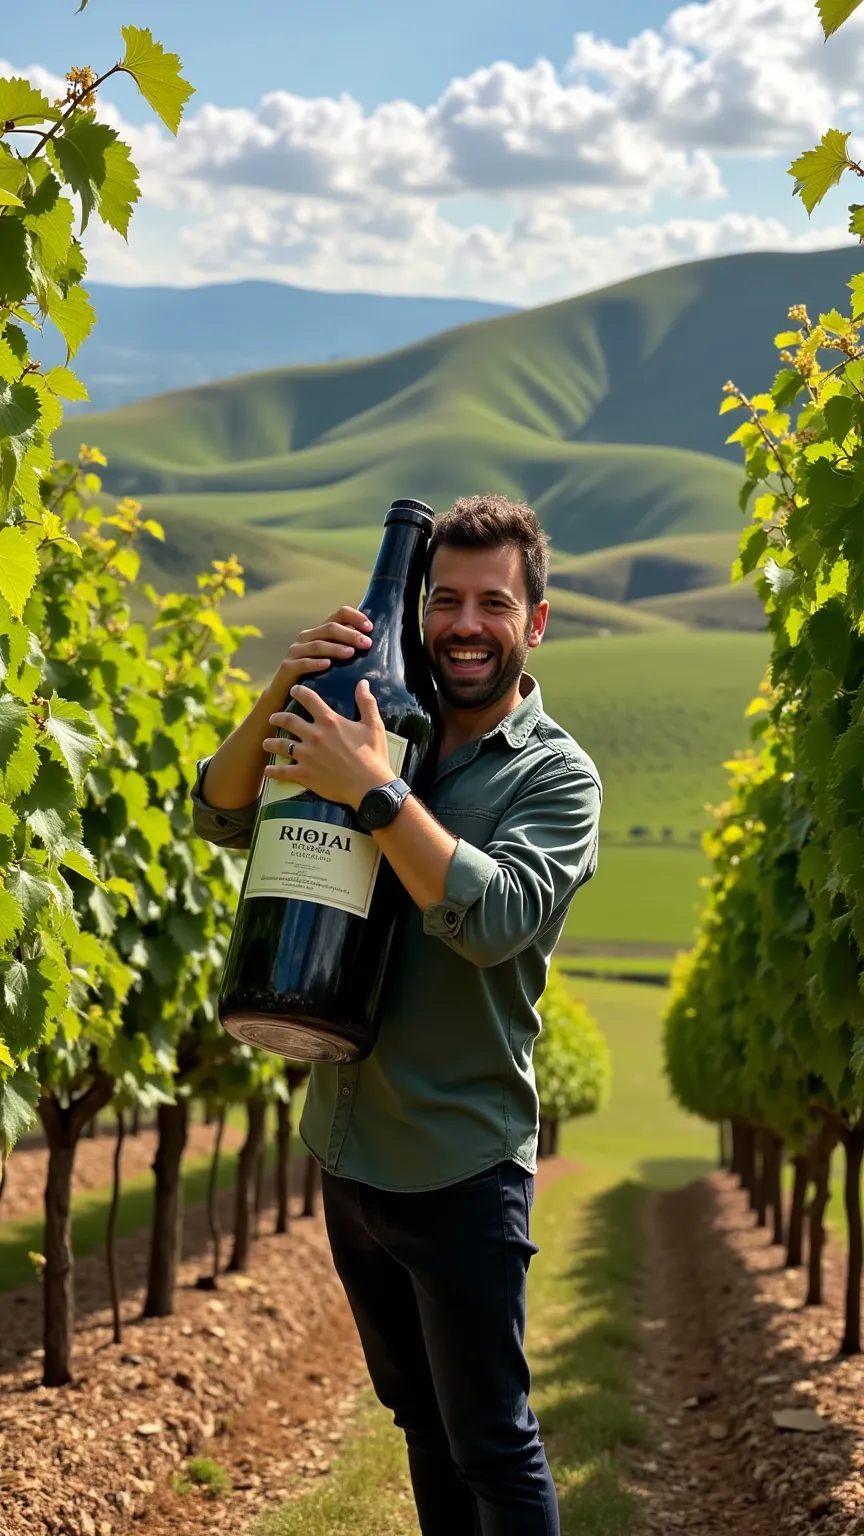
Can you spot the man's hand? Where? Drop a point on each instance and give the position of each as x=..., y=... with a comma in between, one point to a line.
x=346, y=631
x=336, y=758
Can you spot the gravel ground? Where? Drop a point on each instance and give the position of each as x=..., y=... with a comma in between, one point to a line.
x=727, y=1344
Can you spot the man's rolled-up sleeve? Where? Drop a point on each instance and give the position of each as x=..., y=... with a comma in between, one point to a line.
x=227, y=829
x=499, y=898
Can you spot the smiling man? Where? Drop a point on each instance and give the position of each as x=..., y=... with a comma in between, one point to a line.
x=428, y=1148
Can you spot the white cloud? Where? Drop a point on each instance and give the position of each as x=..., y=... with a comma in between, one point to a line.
x=621, y=124
x=319, y=191
x=538, y=258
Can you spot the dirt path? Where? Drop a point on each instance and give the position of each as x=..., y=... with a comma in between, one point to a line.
x=27, y=1167
x=726, y=1345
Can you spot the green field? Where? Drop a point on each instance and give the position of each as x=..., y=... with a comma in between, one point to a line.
x=640, y=896
x=659, y=714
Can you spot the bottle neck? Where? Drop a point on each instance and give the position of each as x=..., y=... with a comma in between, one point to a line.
x=392, y=602
x=397, y=580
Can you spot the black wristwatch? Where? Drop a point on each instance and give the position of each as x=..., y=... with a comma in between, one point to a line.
x=380, y=806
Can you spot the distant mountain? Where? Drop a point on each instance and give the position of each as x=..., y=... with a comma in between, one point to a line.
x=602, y=411
x=149, y=340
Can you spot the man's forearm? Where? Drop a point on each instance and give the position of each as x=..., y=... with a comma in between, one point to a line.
x=235, y=773
x=420, y=851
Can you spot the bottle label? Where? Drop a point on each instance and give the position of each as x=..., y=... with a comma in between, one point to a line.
x=300, y=858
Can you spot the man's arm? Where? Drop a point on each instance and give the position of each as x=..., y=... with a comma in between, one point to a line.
x=487, y=904
x=498, y=899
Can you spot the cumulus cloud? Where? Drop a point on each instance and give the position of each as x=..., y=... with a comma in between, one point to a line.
x=619, y=125
x=321, y=191
x=538, y=258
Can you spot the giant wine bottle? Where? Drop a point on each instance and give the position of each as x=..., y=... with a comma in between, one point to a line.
x=319, y=903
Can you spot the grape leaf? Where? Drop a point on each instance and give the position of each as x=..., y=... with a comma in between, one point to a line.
x=32, y=891
x=24, y=1012
x=98, y=167
x=19, y=562
x=74, y=316
x=19, y=1095
x=838, y=413
x=81, y=860
x=156, y=74
x=787, y=386
x=20, y=102
x=119, y=191
x=820, y=169
x=20, y=410
x=72, y=737
x=19, y=759
x=856, y=220
x=50, y=217
x=10, y=368
x=14, y=262
x=66, y=384
x=21, y=660
x=13, y=172
x=11, y=916
x=833, y=13
x=9, y=200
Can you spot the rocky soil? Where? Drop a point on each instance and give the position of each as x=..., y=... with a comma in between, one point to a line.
x=729, y=1351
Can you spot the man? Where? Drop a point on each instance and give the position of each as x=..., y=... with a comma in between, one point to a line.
x=428, y=1147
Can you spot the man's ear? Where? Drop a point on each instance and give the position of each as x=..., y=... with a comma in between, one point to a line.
x=537, y=629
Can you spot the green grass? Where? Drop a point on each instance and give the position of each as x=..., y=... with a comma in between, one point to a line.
x=604, y=967
x=583, y=1304
x=659, y=714
x=640, y=895
x=641, y=1134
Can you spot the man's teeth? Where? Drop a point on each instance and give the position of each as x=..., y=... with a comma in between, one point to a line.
x=469, y=655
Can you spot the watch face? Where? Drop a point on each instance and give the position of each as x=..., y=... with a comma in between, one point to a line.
x=378, y=808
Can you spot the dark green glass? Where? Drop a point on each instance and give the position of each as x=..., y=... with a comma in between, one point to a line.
x=303, y=978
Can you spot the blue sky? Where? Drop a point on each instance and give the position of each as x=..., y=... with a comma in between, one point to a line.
x=374, y=49
x=498, y=148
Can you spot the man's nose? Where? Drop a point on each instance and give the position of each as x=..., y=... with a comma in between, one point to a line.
x=469, y=619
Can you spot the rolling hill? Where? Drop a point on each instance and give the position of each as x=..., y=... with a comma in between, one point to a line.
x=602, y=411
x=149, y=340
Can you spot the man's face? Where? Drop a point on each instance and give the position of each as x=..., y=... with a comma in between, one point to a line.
x=478, y=628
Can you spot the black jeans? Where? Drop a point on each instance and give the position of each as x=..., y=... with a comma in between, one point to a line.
x=436, y=1281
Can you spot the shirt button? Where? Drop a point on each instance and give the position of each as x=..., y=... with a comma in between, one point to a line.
x=346, y=1092
x=451, y=919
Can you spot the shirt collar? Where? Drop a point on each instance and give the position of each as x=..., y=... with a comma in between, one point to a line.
x=518, y=725
x=515, y=728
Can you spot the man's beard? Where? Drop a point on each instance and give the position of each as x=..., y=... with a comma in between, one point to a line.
x=502, y=672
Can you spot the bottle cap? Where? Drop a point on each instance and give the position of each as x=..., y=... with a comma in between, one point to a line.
x=407, y=511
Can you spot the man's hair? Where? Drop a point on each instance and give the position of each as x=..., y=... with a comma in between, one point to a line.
x=492, y=522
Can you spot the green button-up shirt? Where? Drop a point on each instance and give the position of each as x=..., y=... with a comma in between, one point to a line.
x=449, y=1089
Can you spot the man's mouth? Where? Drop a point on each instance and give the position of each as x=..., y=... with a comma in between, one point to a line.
x=468, y=661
